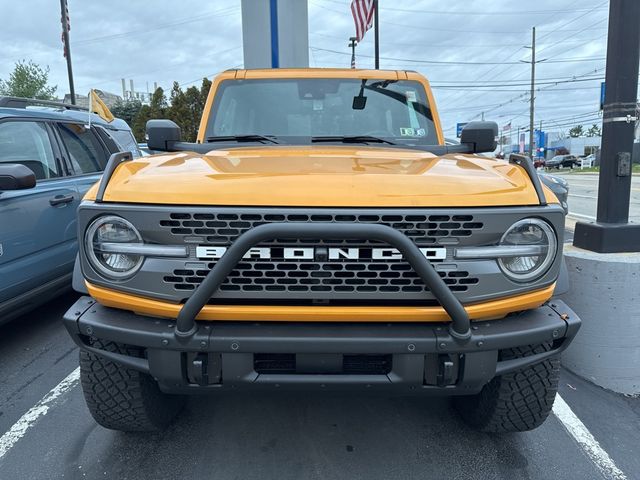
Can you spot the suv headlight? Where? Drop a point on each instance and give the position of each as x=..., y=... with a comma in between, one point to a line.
x=103, y=233
x=529, y=232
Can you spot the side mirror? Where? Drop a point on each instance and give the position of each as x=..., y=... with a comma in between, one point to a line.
x=481, y=135
x=14, y=176
x=160, y=133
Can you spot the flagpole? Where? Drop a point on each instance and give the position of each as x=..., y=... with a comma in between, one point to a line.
x=67, y=49
x=377, y=37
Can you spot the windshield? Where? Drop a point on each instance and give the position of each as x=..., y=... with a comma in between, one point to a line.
x=295, y=110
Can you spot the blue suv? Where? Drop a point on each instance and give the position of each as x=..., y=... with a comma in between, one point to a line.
x=49, y=158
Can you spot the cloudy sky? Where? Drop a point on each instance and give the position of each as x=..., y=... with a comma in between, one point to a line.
x=471, y=50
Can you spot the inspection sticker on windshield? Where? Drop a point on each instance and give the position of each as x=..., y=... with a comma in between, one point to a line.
x=411, y=96
x=412, y=132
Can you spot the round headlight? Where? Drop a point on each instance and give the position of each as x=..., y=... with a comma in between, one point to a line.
x=529, y=232
x=102, y=234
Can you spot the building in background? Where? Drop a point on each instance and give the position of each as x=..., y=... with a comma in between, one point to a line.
x=108, y=98
x=575, y=145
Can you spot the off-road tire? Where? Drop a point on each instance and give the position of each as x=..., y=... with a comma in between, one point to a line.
x=123, y=399
x=514, y=402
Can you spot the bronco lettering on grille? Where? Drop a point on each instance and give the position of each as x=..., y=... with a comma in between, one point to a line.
x=309, y=253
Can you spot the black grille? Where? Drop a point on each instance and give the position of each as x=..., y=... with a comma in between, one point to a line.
x=319, y=279
x=341, y=277
x=224, y=228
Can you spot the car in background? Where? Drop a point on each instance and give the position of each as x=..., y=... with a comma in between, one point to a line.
x=49, y=158
x=562, y=161
x=539, y=162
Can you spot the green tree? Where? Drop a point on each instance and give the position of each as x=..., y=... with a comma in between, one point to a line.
x=157, y=108
x=127, y=110
x=179, y=111
x=195, y=103
x=183, y=107
x=139, y=125
x=594, y=131
x=158, y=104
x=577, y=131
x=28, y=80
x=204, y=89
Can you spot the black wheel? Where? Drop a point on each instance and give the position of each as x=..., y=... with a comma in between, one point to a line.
x=514, y=402
x=123, y=399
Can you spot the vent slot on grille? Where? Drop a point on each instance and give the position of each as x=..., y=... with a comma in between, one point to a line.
x=346, y=277
x=291, y=364
x=224, y=228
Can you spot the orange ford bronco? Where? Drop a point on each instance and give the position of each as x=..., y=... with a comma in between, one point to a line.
x=320, y=235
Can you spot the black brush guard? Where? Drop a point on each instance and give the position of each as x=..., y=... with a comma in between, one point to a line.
x=459, y=328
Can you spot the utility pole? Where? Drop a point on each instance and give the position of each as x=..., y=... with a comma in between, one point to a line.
x=67, y=48
x=353, y=41
x=612, y=232
x=377, y=33
x=533, y=87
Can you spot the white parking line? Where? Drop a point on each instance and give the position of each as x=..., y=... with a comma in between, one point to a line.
x=590, y=197
x=587, y=442
x=41, y=408
x=579, y=216
x=561, y=410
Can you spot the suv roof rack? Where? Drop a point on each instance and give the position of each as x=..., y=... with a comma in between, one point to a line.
x=20, y=102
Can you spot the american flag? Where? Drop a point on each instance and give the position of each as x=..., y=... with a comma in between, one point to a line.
x=65, y=25
x=362, y=11
x=507, y=127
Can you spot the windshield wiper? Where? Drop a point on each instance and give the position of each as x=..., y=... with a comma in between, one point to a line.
x=252, y=137
x=352, y=139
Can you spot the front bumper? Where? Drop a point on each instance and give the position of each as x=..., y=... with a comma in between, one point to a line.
x=416, y=358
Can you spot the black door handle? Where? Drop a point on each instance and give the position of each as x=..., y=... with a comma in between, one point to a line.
x=60, y=200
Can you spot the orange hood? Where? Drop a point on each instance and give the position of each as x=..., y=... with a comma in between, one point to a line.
x=320, y=177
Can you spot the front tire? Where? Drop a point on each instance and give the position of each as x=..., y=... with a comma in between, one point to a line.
x=120, y=398
x=517, y=401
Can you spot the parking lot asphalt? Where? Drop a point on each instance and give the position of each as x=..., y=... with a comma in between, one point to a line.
x=287, y=436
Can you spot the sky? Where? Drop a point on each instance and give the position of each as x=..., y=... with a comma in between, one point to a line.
x=474, y=52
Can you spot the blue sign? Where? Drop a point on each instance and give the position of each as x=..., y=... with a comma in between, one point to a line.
x=459, y=128
x=603, y=88
x=540, y=139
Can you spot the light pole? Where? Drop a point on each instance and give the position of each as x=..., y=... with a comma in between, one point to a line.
x=612, y=232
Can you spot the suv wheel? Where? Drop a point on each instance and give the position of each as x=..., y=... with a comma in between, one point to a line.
x=123, y=399
x=514, y=402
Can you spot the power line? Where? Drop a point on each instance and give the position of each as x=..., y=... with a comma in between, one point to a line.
x=466, y=12
x=218, y=13
x=445, y=62
x=439, y=46
x=554, y=82
x=504, y=70
x=422, y=28
x=600, y=5
x=567, y=38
